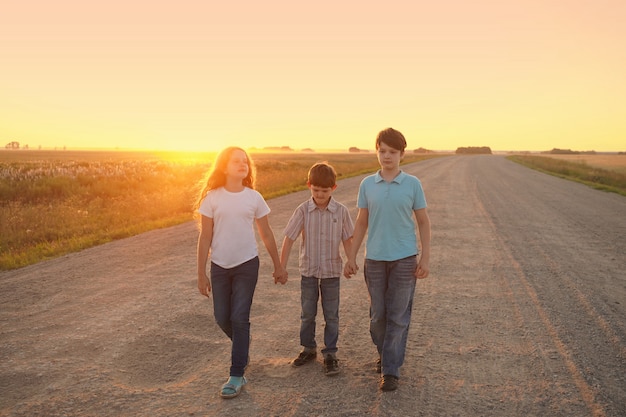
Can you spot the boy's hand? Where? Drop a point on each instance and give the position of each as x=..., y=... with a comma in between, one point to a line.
x=281, y=276
x=350, y=269
x=284, y=277
x=422, y=270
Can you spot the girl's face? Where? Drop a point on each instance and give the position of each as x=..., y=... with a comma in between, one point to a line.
x=389, y=158
x=237, y=167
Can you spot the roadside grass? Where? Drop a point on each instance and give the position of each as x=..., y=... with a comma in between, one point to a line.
x=55, y=203
x=606, y=179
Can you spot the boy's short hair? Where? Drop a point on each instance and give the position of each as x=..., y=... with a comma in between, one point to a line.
x=392, y=138
x=323, y=175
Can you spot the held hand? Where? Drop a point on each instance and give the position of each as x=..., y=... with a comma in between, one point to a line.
x=347, y=272
x=281, y=276
x=350, y=269
x=284, y=278
x=204, y=285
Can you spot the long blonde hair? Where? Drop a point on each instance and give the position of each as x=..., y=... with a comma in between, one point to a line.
x=216, y=177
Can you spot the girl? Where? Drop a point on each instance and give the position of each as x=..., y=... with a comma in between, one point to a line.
x=229, y=206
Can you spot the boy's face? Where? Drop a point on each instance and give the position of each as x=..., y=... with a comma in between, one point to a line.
x=321, y=195
x=389, y=158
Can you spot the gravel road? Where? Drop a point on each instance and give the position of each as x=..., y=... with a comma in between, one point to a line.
x=524, y=314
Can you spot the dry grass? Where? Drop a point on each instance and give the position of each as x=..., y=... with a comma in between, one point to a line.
x=611, y=162
x=56, y=202
x=603, y=172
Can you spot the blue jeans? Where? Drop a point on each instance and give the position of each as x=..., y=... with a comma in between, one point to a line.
x=233, y=289
x=310, y=288
x=391, y=286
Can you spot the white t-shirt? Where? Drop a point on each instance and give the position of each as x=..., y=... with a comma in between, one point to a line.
x=233, y=214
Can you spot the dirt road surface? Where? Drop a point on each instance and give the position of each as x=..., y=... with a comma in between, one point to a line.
x=524, y=314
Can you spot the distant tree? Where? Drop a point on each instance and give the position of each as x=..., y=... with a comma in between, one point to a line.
x=12, y=145
x=422, y=150
x=354, y=149
x=474, y=150
x=557, y=151
x=278, y=148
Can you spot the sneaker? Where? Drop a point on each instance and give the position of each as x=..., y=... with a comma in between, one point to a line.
x=379, y=367
x=389, y=383
x=304, y=357
x=331, y=367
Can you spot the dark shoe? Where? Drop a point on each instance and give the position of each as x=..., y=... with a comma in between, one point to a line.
x=304, y=357
x=389, y=383
x=379, y=368
x=331, y=367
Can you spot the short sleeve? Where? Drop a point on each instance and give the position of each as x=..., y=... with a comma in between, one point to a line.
x=206, y=208
x=419, y=200
x=262, y=209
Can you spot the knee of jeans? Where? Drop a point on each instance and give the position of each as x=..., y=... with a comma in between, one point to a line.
x=222, y=322
x=238, y=324
x=377, y=313
x=226, y=328
x=307, y=317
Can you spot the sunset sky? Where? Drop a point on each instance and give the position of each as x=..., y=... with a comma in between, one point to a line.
x=201, y=75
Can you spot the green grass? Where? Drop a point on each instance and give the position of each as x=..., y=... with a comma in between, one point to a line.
x=54, y=203
x=596, y=177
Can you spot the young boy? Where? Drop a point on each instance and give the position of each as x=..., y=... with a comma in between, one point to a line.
x=324, y=224
x=387, y=203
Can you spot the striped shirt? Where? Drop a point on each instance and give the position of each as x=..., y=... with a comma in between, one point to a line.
x=322, y=230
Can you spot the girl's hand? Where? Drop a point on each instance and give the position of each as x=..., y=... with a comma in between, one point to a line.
x=204, y=285
x=281, y=276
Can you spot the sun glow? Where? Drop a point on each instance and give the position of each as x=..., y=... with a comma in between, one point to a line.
x=200, y=76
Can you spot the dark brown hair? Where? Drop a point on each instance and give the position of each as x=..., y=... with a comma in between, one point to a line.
x=391, y=137
x=322, y=174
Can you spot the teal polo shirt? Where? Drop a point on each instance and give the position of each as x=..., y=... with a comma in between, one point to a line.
x=391, y=223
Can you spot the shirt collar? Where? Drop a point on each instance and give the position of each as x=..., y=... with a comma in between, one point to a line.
x=398, y=179
x=332, y=205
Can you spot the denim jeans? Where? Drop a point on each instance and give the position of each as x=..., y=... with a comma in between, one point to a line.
x=233, y=289
x=391, y=286
x=310, y=288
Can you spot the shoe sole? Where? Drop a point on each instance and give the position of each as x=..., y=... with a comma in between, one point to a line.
x=390, y=384
x=293, y=363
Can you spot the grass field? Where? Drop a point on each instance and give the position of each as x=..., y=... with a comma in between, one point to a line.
x=604, y=172
x=56, y=202
x=611, y=162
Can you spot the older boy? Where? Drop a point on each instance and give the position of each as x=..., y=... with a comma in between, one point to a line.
x=387, y=202
x=323, y=223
